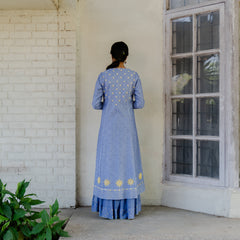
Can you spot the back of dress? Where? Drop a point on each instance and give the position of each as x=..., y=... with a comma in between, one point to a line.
x=118, y=174
x=116, y=87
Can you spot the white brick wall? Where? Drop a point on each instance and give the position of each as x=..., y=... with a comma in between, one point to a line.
x=37, y=103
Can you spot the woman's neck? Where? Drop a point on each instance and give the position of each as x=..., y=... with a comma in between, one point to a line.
x=121, y=65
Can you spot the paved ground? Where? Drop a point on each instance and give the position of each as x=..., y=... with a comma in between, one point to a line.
x=153, y=223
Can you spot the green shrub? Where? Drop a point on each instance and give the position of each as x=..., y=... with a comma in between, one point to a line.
x=18, y=221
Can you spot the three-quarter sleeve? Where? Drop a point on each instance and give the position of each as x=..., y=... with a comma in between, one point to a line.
x=97, y=101
x=138, y=94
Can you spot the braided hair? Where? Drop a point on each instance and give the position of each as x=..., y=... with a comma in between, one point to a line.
x=119, y=51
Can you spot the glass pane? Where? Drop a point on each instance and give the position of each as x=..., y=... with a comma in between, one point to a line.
x=208, y=31
x=181, y=76
x=182, y=3
x=182, y=35
x=182, y=157
x=208, y=159
x=208, y=74
x=182, y=117
x=208, y=116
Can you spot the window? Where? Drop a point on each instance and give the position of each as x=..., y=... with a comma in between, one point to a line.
x=182, y=3
x=194, y=93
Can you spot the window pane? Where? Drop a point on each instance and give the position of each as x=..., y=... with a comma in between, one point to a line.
x=208, y=159
x=182, y=3
x=181, y=76
x=208, y=116
x=182, y=117
x=182, y=157
x=208, y=31
x=208, y=74
x=182, y=35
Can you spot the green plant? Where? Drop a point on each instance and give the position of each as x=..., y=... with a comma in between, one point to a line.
x=18, y=221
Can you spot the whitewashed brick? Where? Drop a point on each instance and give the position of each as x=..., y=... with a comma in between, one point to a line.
x=20, y=19
x=37, y=91
x=8, y=42
x=3, y=50
x=19, y=27
x=36, y=56
x=8, y=27
x=30, y=132
x=41, y=42
x=19, y=87
x=52, y=71
x=4, y=19
x=35, y=72
x=69, y=148
x=52, y=148
x=4, y=34
x=45, y=34
x=20, y=34
x=30, y=27
x=20, y=50
x=14, y=56
x=53, y=56
x=13, y=72
x=52, y=42
x=52, y=27
x=45, y=19
x=44, y=49
x=43, y=140
x=18, y=148
x=41, y=27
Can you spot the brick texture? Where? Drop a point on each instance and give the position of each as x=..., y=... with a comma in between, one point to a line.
x=37, y=103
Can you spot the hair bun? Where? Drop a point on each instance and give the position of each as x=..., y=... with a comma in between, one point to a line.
x=119, y=51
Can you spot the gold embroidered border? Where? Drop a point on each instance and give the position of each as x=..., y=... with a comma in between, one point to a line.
x=120, y=189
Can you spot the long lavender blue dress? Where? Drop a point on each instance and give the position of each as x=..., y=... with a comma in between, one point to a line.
x=118, y=178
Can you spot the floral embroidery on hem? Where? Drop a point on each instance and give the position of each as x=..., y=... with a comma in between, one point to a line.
x=106, y=182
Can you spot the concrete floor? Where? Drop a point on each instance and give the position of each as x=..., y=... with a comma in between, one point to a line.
x=155, y=223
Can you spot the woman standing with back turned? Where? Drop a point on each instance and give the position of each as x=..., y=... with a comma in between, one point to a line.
x=118, y=175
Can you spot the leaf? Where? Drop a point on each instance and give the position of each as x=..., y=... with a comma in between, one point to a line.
x=19, y=213
x=27, y=206
x=8, y=235
x=14, y=232
x=21, y=189
x=53, y=219
x=32, y=194
x=25, y=230
x=34, y=216
x=3, y=219
x=37, y=228
x=36, y=202
x=44, y=216
x=63, y=234
x=11, y=234
x=58, y=226
x=41, y=237
x=9, y=193
x=7, y=211
x=54, y=208
x=4, y=227
x=49, y=234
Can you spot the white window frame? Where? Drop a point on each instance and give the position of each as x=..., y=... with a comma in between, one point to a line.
x=178, y=13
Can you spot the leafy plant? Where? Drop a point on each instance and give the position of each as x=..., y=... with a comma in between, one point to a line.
x=18, y=221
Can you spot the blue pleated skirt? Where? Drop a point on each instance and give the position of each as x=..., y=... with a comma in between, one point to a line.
x=117, y=209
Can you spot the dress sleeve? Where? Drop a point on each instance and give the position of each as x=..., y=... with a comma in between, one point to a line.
x=97, y=101
x=138, y=94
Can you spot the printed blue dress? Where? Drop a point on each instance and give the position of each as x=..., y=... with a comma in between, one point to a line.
x=118, y=180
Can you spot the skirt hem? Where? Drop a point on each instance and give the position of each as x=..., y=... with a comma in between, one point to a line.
x=117, y=209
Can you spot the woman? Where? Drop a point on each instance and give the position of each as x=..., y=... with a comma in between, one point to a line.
x=118, y=176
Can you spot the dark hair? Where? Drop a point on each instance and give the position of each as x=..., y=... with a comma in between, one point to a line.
x=119, y=51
